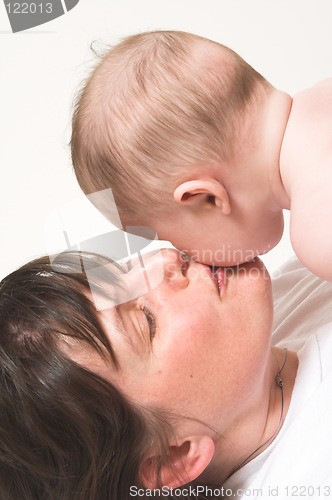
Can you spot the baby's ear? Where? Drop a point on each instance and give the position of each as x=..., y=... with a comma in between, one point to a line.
x=203, y=193
x=184, y=463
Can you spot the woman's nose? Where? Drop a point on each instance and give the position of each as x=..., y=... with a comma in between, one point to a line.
x=165, y=266
x=175, y=267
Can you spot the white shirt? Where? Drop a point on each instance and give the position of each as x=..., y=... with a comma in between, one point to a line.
x=298, y=462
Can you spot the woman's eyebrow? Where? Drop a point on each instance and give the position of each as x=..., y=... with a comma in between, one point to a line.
x=119, y=324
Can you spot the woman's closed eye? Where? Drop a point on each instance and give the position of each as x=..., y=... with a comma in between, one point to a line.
x=150, y=321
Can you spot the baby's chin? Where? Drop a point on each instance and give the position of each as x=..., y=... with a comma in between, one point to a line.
x=256, y=262
x=253, y=270
x=238, y=259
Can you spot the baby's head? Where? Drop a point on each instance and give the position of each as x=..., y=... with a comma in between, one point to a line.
x=173, y=123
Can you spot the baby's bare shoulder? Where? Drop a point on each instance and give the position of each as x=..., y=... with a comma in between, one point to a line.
x=311, y=114
x=306, y=152
x=314, y=99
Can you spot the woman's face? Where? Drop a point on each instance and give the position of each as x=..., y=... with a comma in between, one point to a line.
x=196, y=345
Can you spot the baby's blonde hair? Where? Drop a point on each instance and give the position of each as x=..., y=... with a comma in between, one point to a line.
x=156, y=104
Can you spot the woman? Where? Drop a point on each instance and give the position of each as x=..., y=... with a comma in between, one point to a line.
x=176, y=387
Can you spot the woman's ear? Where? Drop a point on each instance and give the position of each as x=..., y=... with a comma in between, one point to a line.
x=203, y=193
x=183, y=464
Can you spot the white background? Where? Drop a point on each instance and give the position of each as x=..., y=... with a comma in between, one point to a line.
x=288, y=41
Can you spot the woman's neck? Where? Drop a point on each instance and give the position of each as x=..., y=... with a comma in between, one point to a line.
x=261, y=425
x=284, y=369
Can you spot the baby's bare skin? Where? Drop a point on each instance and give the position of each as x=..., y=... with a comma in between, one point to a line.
x=306, y=172
x=285, y=163
x=224, y=206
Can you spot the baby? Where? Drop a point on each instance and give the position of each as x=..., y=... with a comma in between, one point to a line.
x=196, y=144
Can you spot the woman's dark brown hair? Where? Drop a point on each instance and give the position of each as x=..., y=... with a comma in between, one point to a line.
x=65, y=432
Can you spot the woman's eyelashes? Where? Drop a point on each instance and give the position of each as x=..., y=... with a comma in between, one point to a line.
x=150, y=321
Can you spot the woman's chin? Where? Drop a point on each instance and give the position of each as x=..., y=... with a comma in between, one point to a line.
x=252, y=275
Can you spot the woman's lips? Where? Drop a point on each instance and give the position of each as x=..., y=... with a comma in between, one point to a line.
x=216, y=274
x=219, y=276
